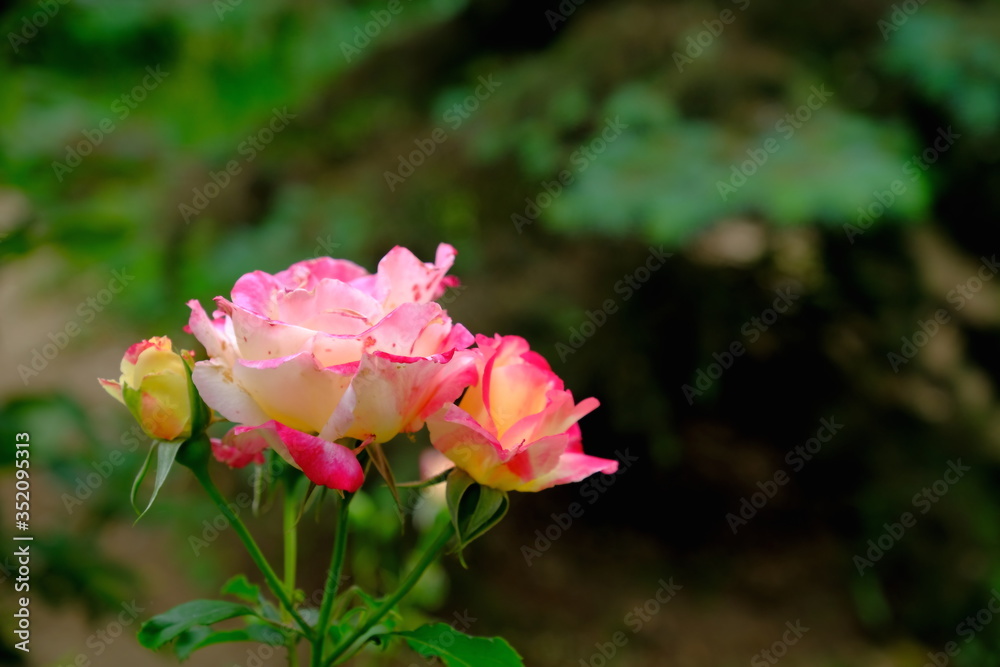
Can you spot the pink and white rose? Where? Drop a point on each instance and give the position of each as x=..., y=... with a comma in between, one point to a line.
x=325, y=350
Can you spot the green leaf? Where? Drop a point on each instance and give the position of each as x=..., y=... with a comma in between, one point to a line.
x=164, y=627
x=474, y=508
x=166, y=452
x=240, y=587
x=201, y=636
x=141, y=475
x=456, y=649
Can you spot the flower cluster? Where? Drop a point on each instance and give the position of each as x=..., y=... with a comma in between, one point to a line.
x=324, y=354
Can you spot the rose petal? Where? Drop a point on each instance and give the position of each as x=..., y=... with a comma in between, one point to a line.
x=325, y=463
x=240, y=446
x=295, y=390
x=392, y=394
x=309, y=273
x=572, y=467
x=408, y=280
x=114, y=389
x=215, y=383
x=212, y=334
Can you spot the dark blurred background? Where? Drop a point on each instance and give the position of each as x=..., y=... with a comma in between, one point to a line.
x=822, y=175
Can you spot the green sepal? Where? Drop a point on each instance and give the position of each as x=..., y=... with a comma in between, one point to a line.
x=201, y=414
x=166, y=453
x=474, y=508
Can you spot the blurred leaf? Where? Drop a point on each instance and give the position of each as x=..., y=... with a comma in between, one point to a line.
x=456, y=649
x=167, y=626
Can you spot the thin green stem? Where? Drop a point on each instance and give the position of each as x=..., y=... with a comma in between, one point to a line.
x=332, y=580
x=290, y=516
x=431, y=554
x=201, y=472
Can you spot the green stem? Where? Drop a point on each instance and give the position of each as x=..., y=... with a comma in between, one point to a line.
x=434, y=550
x=332, y=580
x=291, y=553
x=201, y=472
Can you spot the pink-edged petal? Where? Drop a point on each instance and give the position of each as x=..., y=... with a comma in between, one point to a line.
x=331, y=306
x=393, y=394
x=114, y=389
x=156, y=342
x=309, y=273
x=242, y=445
x=211, y=333
x=325, y=463
x=401, y=331
x=259, y=337
x=575, y=444
x=557, y=416
x=406, y=279
x=459, y=437
x=537, y=459
x=219, y=389
x=296, y=390
x=255, y=291
x=572, y=467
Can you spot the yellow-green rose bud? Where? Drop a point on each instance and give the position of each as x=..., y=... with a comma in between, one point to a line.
x=156, y=388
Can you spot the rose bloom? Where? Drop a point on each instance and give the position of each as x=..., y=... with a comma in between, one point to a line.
x=156, y=388
x=516, y=429
x=324, y=350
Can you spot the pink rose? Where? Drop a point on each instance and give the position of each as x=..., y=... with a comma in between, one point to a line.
x=516, y=429
x=324, y=350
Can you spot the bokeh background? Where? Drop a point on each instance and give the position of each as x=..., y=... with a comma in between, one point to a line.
x=843, y=155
